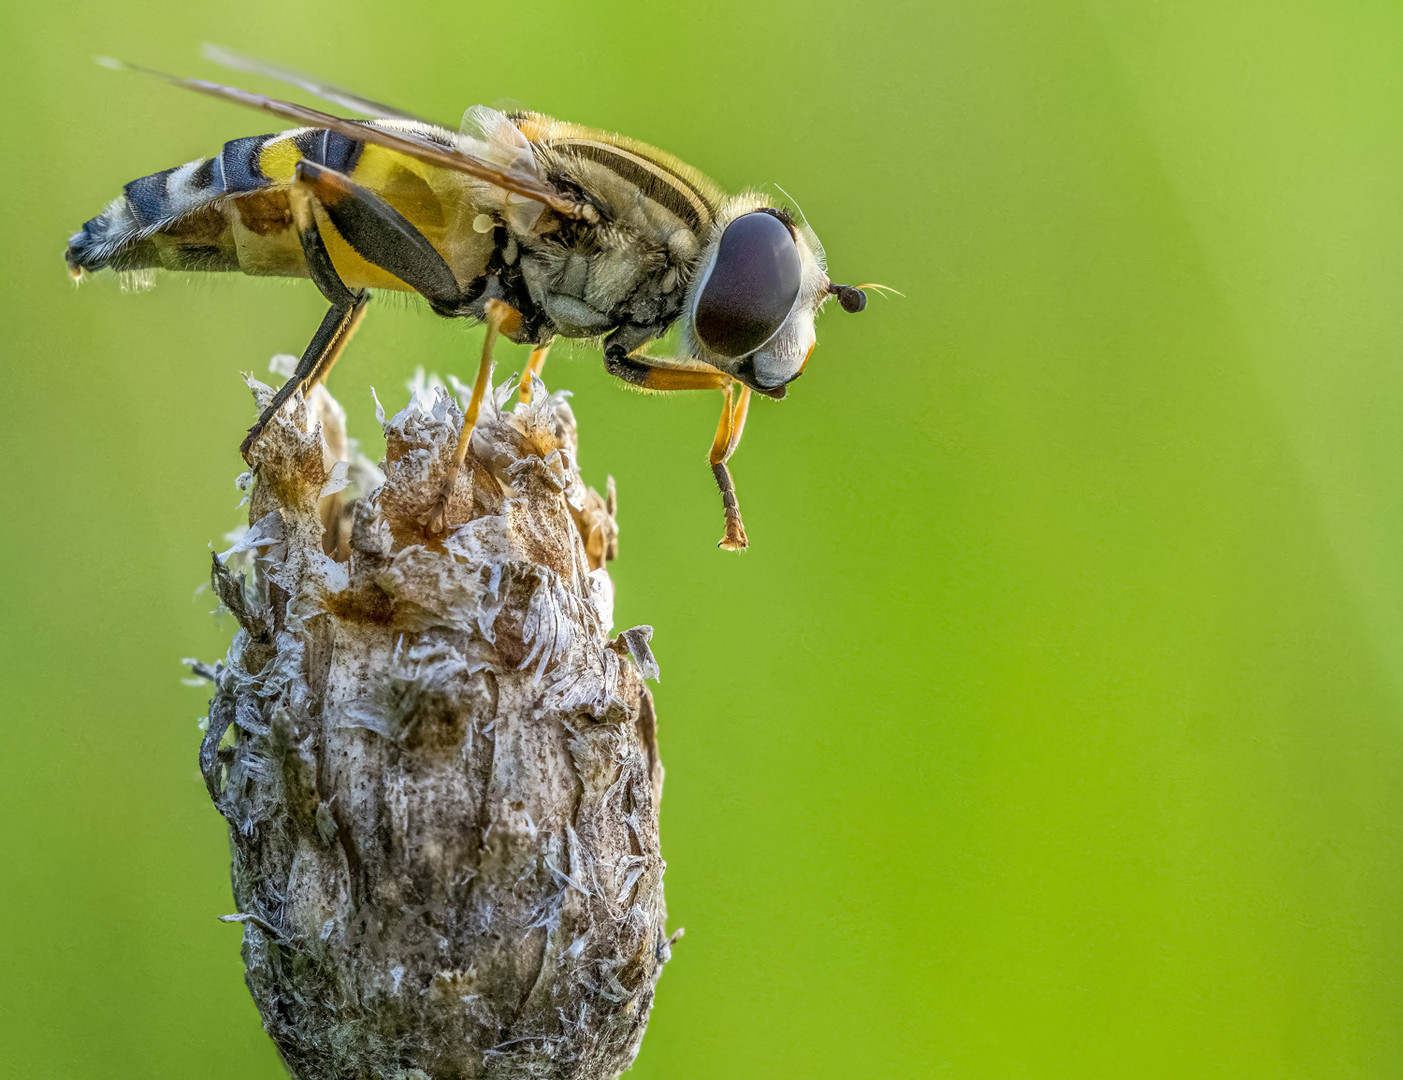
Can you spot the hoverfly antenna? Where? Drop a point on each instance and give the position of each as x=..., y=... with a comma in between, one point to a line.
x=850, y=297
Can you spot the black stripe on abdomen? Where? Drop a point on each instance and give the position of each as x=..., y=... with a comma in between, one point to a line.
x=202, y=179
x=330, y=149
x=148, y=199
x=120, y=236
x=238, y=169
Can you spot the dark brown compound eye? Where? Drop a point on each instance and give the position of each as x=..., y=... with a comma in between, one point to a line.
x=751, y=287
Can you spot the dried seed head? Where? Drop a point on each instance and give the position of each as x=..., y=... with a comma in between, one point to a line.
x=440, y=774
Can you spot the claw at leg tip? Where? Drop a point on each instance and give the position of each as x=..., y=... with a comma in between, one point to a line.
x=735, y=538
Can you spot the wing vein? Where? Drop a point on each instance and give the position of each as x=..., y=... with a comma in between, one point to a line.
x=454, y=158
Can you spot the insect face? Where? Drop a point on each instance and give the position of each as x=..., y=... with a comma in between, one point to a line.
x=760, y=282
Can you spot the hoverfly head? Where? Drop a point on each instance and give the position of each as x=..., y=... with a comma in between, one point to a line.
x=751, y=303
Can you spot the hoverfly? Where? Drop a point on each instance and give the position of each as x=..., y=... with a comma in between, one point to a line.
x=536, y=227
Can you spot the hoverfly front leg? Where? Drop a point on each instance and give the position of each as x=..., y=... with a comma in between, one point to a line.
x=728, y=432
x=651, y=373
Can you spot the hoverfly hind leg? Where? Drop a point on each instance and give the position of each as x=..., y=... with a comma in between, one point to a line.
x=378, y=232
x=339, y=323
x=385, y=237
x=321, y=353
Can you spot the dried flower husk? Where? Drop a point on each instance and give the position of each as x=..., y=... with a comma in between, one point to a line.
x=440, y=773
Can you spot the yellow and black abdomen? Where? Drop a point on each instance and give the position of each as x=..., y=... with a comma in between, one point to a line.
x=232, y=212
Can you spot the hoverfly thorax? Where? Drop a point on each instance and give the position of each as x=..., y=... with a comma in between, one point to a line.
x=751, y=303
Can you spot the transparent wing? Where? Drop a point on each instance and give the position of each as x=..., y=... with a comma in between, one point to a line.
x=446, y=150
x=501, y=144
x=500, y=141
x=235, y=61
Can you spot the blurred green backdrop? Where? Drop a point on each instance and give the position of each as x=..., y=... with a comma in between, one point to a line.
x=1051, y=727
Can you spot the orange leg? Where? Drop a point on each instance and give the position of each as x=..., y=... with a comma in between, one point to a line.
x=651, y=373
x=738, y=420
x=533, y=367
x=728, y=432
x=500, y=317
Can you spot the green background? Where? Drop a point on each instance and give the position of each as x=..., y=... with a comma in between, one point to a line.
x=1051, y=726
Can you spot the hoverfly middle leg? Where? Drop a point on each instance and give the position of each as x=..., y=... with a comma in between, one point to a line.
x=534, y=366
x=500, y=317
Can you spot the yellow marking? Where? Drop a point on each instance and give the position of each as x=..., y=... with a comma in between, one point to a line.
x=278, y=158
x=407, y=185
x=807, y=355
x=351, y=268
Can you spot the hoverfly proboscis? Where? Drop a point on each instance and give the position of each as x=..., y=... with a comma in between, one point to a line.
x=537, y=227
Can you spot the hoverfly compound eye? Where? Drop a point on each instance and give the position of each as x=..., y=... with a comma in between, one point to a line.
x=751, y=287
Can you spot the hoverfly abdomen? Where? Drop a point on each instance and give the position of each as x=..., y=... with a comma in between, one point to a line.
x=225, y=213
x=170, y=220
